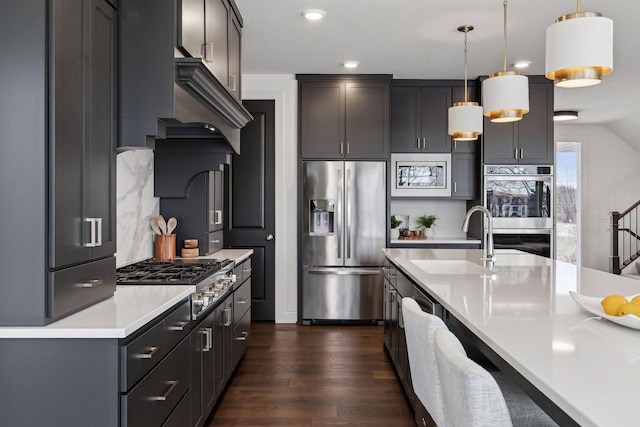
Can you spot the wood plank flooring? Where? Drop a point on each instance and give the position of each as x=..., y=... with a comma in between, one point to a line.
x=294, y=375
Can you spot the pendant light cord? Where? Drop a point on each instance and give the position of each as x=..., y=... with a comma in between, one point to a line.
x=578, y=6
x=504, y=55
x=466, y=90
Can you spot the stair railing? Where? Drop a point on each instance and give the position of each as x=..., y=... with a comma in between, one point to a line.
x=625, y=238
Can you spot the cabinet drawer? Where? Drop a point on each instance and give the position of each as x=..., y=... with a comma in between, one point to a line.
x=77, y=287
x=241, y=301
x=181, y=416
x=151, y=401
x=243, y=270
x=177, y=325
x=241, y=332
x=142, y=354
x=215, y=242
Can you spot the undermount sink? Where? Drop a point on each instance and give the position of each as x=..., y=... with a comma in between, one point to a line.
x=457, y=267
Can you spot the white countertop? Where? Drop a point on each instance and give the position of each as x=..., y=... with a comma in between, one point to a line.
x=130, y=308
x=438, y=241
x=587, y=365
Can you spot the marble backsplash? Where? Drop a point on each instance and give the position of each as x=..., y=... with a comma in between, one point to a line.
x=135, y=206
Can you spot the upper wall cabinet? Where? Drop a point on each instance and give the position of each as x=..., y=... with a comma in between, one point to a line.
x=211, y=30
x=528, y=141
x=419, y=118
x=344, y=116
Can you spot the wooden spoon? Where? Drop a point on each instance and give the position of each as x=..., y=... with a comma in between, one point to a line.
x=171, y=225
x=154, y=225
x=162, y=224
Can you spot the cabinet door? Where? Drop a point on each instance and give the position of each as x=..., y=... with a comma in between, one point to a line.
x=322, y=120
x=235, y=55
x=216, y=42
x=535, y=130
x=367, y=120
x=100, y=147
x=190, y=31
x=67, y=93
x=463, y=175
x=215, y=200
x=222, y=338
x=435, y=103
x=405, y=119
x=499, y=143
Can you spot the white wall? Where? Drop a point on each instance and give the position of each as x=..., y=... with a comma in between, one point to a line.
x=284, y=90
x=610, y=181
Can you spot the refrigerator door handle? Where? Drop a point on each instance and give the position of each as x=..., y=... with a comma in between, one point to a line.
x=345, y=271
x=348, y=211
x=339, y=209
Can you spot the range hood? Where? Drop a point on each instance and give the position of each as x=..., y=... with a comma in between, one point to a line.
x=164, y=96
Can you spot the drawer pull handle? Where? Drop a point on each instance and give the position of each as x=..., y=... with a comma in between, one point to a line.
x=227, y=315
x=166, y=394
x=179, y=327
x=92, y=283
x=243, y=337
x=243, y=300
x=150, y=354
x=208, y=334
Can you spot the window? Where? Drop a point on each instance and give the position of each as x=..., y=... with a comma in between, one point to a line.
x=568, y=202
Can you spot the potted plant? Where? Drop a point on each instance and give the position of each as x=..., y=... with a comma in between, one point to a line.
x=395, y=222
x=428, y=222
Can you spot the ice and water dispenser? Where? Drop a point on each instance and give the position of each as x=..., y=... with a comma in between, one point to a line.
x=321, y=215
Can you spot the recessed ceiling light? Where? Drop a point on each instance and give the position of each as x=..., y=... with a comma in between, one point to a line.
x=350, y=64
x=561, y=116
x=522, y=64
x=314, y=14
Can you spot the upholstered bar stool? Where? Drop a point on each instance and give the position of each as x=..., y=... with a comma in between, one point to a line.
x=472, y=397
x=419, y=329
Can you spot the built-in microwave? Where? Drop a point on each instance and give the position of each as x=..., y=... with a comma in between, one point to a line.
x=519, y=196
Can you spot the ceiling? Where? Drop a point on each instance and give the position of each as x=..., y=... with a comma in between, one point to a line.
x=418, y=39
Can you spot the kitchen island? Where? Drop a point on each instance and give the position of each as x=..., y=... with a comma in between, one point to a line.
x=519, y=312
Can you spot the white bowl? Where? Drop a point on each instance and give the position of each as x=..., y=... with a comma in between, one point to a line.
x=593, y=305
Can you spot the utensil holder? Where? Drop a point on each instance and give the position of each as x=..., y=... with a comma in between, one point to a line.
x=165, y=247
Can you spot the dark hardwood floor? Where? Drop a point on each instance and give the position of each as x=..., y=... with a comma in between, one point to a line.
x=314, y=376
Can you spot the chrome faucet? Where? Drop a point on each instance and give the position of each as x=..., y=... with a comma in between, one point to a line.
x=488, y=243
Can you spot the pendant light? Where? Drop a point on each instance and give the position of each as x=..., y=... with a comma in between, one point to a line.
x=505, y=94
x=465, y=118
x=579, y=49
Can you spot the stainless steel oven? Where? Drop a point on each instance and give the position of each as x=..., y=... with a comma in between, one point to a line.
x=534, y=241
x=519, y=196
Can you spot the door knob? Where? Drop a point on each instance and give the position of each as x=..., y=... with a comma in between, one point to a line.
x=269, y=236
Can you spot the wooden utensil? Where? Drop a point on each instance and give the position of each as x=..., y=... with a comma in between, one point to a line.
x=162, y=224
x=171, y=225
x=154, y=225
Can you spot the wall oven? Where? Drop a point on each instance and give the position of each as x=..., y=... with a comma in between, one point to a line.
x=519, y=196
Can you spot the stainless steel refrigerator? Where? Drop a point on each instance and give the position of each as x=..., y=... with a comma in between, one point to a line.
x=343, y=233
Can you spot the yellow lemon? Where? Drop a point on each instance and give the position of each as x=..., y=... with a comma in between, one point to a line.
x=629, y=309
x=635, y=300
x=611, y=304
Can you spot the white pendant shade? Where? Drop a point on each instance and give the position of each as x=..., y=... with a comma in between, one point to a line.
x=465, y=121
x=579, y=49
x=505, y=96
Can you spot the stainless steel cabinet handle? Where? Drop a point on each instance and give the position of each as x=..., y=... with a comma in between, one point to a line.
x=269, y=236
x=341, y=148
x=208, y=51
x=179, y=327
x=243, y=337
x=92, y=232
x=218, y=217
x=99, y=231
x=424, y=142
x=348, y=147
x=515, y=153
x=455, y=187
x=208, y=336
x=92, y=283
x=172, y=386
x=243, y=300
x=400, y=318
x=232, y=86
x=227, y=315
x=522, y=153
x=417, y=142
x=150, y=354
x=215, y=241
x=455, y=144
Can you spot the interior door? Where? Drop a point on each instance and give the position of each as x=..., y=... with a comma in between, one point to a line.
x=251, y=222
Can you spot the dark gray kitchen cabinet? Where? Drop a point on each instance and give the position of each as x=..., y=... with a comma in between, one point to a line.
x=223, y=344
x=63, y=90
x=344, y=117
x=200, y=214
x=464, y=178
x=419, y=118
x=202, y=372
x=211, y=30
x=528, y=141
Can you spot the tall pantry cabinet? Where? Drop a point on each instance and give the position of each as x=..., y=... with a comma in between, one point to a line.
x=57, y=178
